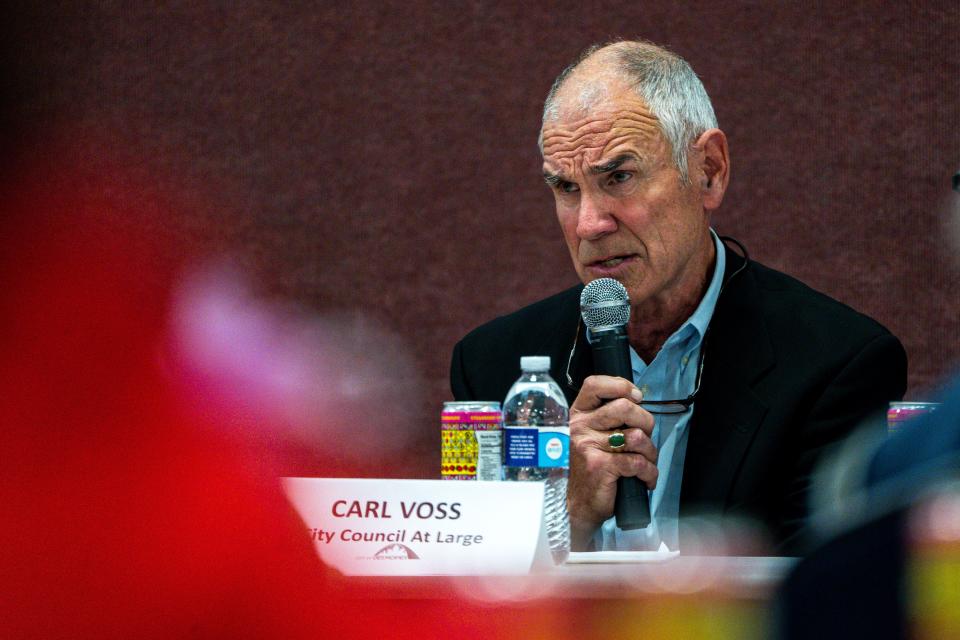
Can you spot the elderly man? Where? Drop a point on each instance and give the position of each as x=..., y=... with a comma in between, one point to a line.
x=775, y=371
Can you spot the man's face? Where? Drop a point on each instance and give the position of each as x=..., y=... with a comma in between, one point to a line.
x=622, y=206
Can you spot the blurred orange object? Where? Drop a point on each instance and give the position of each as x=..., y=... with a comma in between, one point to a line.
x=933, y=565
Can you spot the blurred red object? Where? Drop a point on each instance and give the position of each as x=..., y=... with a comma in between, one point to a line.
x=127, y=511
x=139, y=491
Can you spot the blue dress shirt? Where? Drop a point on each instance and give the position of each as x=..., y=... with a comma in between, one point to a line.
x=671, y=375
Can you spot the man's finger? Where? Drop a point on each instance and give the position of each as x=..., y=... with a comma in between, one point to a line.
x=597, y=390
x=615, y=414
x=629, y=465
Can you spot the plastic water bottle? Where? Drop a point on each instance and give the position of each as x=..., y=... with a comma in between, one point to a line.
x=536, y=444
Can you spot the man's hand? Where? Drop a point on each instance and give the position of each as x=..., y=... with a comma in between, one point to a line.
x=604, y=405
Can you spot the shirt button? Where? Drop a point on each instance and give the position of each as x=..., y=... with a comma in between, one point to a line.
x=644, y=390
x=685, y=360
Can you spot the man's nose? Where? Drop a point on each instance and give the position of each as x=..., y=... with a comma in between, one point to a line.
x=595, y=217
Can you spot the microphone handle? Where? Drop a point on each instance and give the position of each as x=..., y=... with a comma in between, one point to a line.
x=611, y=357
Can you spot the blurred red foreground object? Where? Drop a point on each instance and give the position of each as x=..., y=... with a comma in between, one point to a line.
x=125, y=513
x=132, y=507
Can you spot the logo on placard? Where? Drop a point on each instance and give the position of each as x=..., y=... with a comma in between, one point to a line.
x=554, y=448
x=396, y=551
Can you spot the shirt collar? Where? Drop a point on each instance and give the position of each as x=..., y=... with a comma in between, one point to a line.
x=700, y=319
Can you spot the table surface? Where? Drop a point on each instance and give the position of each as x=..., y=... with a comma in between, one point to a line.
x=737, y=577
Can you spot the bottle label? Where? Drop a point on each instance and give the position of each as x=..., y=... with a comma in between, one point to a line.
x=554, y=447
x=533, y=447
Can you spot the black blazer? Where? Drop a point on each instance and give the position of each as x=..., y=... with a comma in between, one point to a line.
x=787, y=371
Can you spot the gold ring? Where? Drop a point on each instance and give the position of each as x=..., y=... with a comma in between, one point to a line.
x=617, y=441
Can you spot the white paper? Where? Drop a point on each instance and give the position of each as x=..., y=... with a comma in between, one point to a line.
x=617, y=557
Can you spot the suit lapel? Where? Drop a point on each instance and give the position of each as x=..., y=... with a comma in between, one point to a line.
x=565, y=342
x=727, y=412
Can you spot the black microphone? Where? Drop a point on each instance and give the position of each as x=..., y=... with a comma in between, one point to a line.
x=605, y=308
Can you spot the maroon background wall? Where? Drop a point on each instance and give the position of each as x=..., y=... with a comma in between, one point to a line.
x=380, y=158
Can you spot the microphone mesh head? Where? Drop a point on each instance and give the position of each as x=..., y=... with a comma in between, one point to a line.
x=604, y=303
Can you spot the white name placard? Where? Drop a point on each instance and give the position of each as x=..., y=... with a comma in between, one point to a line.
x=423, y=527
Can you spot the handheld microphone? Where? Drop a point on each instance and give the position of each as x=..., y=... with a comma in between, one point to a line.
x=605, y=308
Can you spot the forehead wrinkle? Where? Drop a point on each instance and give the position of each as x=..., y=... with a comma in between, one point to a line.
x=614, y=149
x=598, y=124
x=590, y=140
x=574, y=135
x=626, y=138
x=640, y=122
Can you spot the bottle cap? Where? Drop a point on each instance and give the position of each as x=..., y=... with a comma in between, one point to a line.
x=535, y=363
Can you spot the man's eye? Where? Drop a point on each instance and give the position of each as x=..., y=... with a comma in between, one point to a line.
x=567, y=187
x=620, y=176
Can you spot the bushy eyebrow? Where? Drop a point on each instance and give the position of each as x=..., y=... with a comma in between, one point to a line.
x=612, y=165
x=553, y=179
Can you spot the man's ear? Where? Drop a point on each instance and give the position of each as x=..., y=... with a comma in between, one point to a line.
x=713, y=168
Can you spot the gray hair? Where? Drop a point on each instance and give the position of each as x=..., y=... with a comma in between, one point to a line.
x=665, y=81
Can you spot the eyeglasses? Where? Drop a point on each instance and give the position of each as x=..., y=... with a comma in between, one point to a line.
x=669, y=407
x=661, y=407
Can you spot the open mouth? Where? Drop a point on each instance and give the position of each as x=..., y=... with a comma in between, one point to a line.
x=611, y=262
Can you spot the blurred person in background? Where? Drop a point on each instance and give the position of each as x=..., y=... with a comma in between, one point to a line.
x=884, y=558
